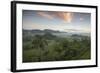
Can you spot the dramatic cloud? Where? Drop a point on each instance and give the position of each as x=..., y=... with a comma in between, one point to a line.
x=64, y=16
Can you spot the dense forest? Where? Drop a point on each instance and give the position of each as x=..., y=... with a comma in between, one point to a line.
x=51, y=47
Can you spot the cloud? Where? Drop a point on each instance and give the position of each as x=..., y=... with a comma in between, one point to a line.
x=45, y=15
x=81, y=19
x=78, y=30
x=72, y=30
x=64, y=16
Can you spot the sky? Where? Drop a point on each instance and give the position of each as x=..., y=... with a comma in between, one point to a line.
x=56, y=20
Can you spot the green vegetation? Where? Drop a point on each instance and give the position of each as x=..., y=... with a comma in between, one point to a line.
x=49, y=47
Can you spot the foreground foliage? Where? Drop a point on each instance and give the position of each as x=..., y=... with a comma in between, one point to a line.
x=49, y=47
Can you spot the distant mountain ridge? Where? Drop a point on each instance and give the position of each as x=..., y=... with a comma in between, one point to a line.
x=45, y=30
x=54, y=32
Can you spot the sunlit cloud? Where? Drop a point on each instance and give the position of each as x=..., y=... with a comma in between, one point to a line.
x=64, y=16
